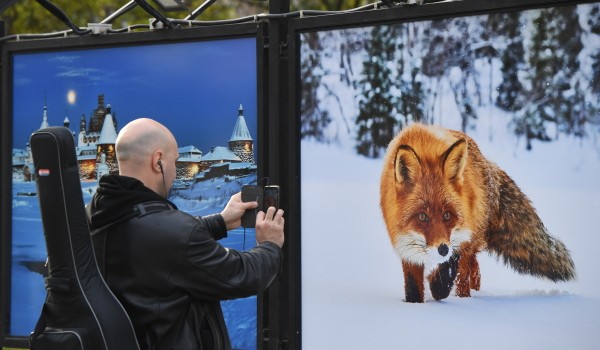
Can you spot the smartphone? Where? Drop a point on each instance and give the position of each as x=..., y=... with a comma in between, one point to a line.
x=266, y=197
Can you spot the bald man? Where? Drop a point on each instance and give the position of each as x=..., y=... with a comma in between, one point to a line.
x=165, y=266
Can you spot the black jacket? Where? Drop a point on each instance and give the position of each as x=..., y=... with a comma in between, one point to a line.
x=167, y=269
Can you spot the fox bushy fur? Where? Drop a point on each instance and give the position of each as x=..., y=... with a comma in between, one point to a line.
x=443, y=202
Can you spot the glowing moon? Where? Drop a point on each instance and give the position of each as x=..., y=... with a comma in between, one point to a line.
x=71, y=97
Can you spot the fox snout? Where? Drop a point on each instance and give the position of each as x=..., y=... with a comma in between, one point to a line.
x=413, y=247
x=438, y=253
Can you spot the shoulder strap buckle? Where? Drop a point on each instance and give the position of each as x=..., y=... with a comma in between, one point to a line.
x=151, y=207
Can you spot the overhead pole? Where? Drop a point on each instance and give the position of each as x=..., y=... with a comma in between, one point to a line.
x=124, y=9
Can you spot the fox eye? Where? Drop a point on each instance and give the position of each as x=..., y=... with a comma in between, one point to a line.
x=446, y=216
x=423, y=217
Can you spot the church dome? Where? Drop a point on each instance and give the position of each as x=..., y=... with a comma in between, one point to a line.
x=108, y=135
x=240, y=131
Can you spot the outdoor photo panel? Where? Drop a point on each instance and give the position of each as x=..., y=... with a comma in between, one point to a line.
x=203, y=86
x=522, y=81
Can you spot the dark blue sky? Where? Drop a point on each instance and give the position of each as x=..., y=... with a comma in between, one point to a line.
x=195, y=89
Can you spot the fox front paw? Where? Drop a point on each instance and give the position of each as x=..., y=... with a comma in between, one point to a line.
x=441, y=279
x=413, y=293
x=475, y=277
x=463, y=288
x=463, y=292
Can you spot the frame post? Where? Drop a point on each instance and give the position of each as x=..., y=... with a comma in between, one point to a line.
x=278, y=325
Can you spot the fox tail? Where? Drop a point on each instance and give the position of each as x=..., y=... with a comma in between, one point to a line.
x=519, y=238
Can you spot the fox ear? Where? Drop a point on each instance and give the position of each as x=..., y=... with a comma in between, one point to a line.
x=406, y=165
x=454, y=161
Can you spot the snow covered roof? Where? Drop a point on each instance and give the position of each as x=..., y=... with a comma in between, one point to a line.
x=220, y=153
x=220, y=165
x=86, y=157
x=19, y=156
x=16, y=152
x=241, y=165
x=189, y=150
x=189, y=154
x=108, y=135
x=240, y=130
x=87, y=147
x=45, y=123
x=188, y=159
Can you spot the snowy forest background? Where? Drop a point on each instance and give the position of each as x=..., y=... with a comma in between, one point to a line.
x=525, y=85
x=544, y=68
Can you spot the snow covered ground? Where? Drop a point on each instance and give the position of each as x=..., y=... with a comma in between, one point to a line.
x=352, y=282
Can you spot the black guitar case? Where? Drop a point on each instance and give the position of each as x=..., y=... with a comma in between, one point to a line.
x=80, y=311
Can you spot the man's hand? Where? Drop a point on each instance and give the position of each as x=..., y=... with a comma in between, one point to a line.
x=269, y=226
x=235, y=208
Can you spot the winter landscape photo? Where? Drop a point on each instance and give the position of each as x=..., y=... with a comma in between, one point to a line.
x=525, y=86
x=95, y=93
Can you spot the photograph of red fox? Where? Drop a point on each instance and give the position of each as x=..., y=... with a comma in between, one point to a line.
x=407, y=226
x=443, y=202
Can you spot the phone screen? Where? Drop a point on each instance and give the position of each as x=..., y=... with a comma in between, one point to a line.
x=271, y=197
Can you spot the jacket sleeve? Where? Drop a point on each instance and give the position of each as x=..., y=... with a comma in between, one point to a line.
x=213, y=272
x=215, y=225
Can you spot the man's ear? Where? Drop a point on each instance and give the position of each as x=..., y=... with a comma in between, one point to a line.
x=157, y=161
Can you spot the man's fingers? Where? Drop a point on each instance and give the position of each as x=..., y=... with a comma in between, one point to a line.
x=278, y=216
x=260, y=216
x=249, y=205
x=270, y=213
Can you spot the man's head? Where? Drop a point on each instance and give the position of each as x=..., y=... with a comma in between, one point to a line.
x=147, y=151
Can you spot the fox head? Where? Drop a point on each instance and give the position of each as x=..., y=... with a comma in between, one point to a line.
x=424, y=196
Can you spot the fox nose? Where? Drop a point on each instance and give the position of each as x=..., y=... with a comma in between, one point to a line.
x=443, y=249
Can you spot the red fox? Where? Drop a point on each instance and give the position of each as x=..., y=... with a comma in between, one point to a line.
x=443, y=203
